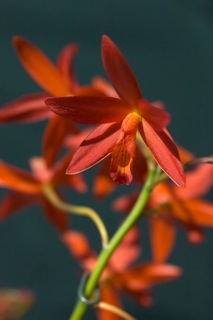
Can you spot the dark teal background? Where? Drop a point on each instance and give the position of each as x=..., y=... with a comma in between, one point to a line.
x=169, y=45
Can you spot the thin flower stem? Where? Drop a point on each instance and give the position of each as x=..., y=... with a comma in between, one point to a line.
x=109, y=307
x=51, y=195
x=106, y=252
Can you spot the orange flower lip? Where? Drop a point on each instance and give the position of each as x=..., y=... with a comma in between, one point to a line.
x=120, y=169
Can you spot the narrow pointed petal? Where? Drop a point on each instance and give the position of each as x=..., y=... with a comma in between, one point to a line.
x=109, y=295
x=63, y=127
x=125, y=202
x=195, y=234
x=88, y=91
x=159, y=104
x=59, y=177
x=94, y=148
x=185, y=155
x=164, y=151
x=14, y=202
x=195, y=211
x=127, y=252
x=202, y=212
x=39, y=169
x=28, y=108
x=77, y=244
x=40, y=68
x=89, y=110
x=58, y=218
x=16, y=179
x=73, y=141
x=103, y=184
x=79, y=247
x=102, y=85
x=146, y=275
x=119, y=73
x=157, y=117
x=198, y=182
x=65, y=65
x=163, y=234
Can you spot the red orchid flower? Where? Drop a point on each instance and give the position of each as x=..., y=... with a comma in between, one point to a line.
x=103, y=185
x=14, y=303
x=56, y=80
x=26, y=188
x=173, y=205
x=119, y=120
x=120, y=274
x=187, y=208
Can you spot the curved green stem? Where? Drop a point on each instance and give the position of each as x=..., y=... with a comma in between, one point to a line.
x=106, y=253
x=51, y=195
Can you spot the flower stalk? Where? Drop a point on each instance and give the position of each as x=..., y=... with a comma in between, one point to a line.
x=107, y=252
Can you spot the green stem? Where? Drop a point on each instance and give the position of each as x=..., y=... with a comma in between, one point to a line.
x=106, y=253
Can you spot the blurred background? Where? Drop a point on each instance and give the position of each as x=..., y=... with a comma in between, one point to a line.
x=169, y=45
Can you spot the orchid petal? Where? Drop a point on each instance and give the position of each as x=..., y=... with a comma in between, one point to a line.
x=185, y=155
x=127, y=252
x=157, y=117
x=16, y=201
x=60, y=178
x=194, y=211
x=29, y=108
x=94, y=148
x=103, y=184
x=62, y=126
x=73, y=141
x=109, y=295
x=40, y=68
x=195, y=234
x=163, y=234
x=88, y=91
x=159, y=104
x=121, y=165
x=198, y=182
x=39, y=170
x=119, y=72
x=16, y=179
x=65, y=65
x=78, y=245
x=164, y=151
x=146, y=275
x=105, y=87
x=89, y=110
x=125, y=202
